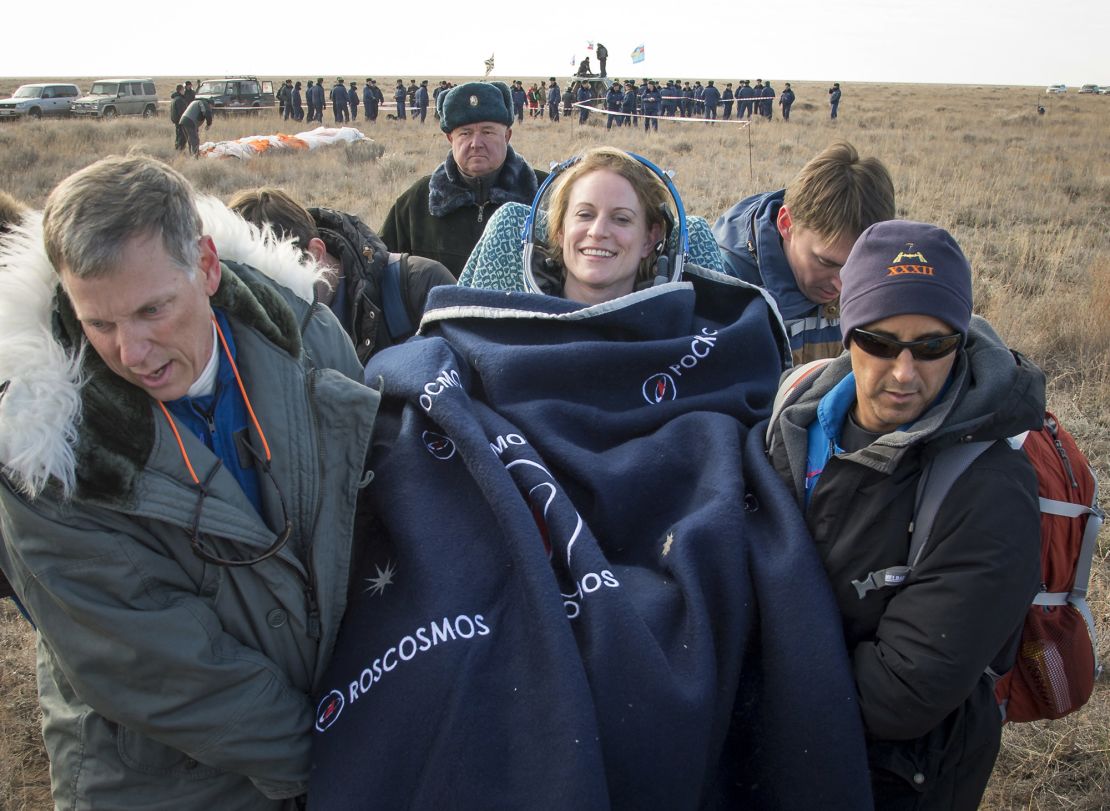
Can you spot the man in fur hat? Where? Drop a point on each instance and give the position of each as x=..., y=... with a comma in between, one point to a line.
x=442, y=215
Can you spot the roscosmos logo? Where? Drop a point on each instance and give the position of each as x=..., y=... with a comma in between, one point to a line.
x=660, y=387
x=440, y=446
x=328, y=710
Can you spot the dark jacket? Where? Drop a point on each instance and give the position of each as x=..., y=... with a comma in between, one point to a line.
x=441, y=216
x=920, y=651
x=363, y=257
x=752, y=250
x=339, y=96
x=177, y=107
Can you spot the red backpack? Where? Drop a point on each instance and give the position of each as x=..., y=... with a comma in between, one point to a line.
x=1056, y=665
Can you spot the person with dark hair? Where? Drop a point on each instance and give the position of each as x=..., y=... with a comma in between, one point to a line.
x=768, y=101
x=178, y=103
x=285, y=106
x=630, y=104
x=602, y=58
x=834, y=99
x=182, y=438
x=710, y=98
x=442, y=215
x=298, y=106
x=197, y=111
x=554, y=99
x=520, y=98
x=614, y=99
x=319, y=100
x=727, y=100
x=399, y=97
x=927, y=638
x=744, y=94
x=352, y=100
x=339, y=103
x=377, y=296
x=794, y=241
x=421, y=108
x=786, y=100
x=12, y=211
x=651, y=101
x=377, y=98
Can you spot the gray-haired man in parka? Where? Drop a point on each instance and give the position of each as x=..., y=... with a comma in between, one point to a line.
x=182, y=440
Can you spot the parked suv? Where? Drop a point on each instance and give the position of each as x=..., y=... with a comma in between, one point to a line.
x=111, y=97
x=1056, y=88
x=1089, y=88
x=236, y=93
x=37, y=100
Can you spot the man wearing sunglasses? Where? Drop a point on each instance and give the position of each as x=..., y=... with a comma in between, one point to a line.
x=854, y=440
x=182, y=439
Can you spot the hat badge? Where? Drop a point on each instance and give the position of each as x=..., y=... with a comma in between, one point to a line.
x=473, y=101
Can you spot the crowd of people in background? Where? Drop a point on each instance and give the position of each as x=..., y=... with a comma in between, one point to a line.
x=623, y=102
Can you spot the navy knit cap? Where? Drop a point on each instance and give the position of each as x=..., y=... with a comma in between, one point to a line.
x=473, y=102
x=899, y=267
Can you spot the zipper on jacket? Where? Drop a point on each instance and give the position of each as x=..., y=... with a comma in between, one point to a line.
x=313, y=602
x=482, y=210
x=1061, y=452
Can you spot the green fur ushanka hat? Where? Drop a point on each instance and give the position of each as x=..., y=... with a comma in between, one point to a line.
x=473, y=102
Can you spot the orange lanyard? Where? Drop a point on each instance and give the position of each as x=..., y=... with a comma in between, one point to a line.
x=246, y=399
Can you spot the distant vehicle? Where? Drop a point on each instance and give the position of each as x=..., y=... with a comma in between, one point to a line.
x=109, y=98
x=237, y=93
x=1104, y=90
x=1090, y=88
x=1056, y=88
x=37, y=100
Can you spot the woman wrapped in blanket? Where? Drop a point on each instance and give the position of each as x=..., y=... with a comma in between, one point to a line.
x=582, y=585
x=596, y=232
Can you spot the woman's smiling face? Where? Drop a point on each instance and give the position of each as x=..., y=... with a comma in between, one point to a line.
x=605, y=236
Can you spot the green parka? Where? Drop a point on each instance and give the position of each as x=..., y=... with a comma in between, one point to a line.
x=167, y=682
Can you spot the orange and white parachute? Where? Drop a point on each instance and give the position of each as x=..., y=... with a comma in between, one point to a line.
x=251, y=145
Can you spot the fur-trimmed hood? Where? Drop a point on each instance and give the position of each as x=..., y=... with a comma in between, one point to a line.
x=448, y=190
x=61, y=410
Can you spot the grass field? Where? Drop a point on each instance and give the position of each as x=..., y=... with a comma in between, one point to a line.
x=1027, y=195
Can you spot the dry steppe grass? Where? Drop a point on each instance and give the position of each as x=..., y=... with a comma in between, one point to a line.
x=1027, y=195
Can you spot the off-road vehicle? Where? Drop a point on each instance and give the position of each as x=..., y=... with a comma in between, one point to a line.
x=237, y=94
x=38, y=100
x=111, y=97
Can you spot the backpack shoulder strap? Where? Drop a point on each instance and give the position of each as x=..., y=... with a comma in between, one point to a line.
x=397, y=319
x=791, y=387
x=936, y=480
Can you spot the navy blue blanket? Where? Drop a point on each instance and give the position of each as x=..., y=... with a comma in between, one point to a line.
x=581, y=585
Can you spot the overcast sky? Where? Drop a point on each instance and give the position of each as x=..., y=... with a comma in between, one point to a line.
x=1014, y=42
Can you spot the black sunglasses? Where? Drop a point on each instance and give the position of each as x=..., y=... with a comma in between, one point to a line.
x=923, y=349
x=196, y=538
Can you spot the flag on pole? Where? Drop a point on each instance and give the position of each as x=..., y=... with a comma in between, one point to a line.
x=638, y=54
x=589, y=45
x=574, y=60
x=489, y=65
